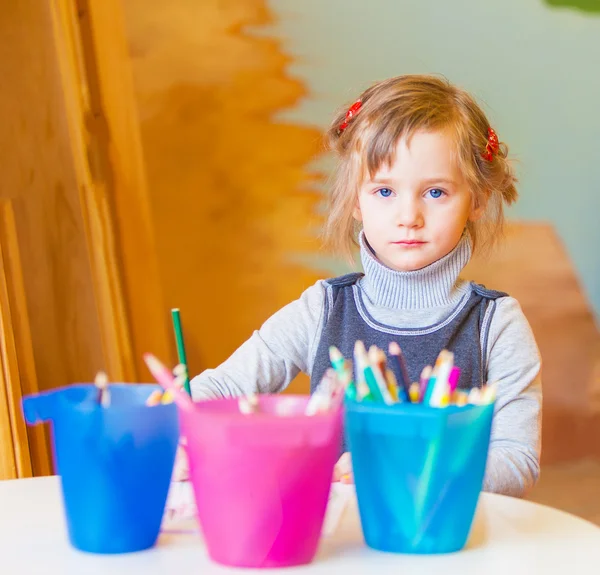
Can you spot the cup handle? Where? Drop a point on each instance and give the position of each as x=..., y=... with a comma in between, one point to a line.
x=39, y=408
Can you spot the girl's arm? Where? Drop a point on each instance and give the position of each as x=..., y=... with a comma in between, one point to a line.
x=514, y=363
x=273, y=356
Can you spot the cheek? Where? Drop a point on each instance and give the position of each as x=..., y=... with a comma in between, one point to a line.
x=450, y=221
x=463, y=211
x=365, y=207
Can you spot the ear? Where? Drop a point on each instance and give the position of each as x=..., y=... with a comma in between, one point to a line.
x=476, y=213
x=356, y=213
x=478, y=207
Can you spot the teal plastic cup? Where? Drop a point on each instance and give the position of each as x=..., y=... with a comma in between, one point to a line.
x=418, y=472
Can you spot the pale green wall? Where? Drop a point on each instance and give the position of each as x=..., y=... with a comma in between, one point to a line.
x=536, y=68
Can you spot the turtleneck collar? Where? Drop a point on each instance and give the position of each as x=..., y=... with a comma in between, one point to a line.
x=436, y=285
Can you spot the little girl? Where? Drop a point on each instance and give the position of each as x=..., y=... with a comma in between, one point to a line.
x=421, y=182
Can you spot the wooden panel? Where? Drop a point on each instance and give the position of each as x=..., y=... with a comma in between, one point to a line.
x=51, y=234
x=122, y=242
x=8, y=463
x=57, y=145
x=28, y=445
x=234, y=206
x=8, y=459
x=95, y=188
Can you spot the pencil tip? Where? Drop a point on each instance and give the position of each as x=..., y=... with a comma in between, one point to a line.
x=394, y=348
x=101, y=379
x=359, y=346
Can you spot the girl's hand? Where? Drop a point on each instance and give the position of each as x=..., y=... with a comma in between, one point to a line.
x=342, y=471
x=181, y=469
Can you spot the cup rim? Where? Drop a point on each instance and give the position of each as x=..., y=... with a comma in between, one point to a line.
x=411, y=409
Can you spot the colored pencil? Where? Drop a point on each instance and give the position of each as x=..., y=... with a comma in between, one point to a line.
x=101, y=382
x=182, y=358
x=424, y=382
x=398, y=357
x=453, y=378
x=168, y=381
x=360, y=363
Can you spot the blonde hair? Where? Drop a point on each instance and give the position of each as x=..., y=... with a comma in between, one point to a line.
x=397, y=108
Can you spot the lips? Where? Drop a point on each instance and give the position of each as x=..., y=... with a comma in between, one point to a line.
x=409, y=243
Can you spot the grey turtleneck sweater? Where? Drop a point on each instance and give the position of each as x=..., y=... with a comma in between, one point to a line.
x=287, y=342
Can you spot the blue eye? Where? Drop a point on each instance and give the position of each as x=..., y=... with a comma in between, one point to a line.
x=384, y=192
x=436, y=193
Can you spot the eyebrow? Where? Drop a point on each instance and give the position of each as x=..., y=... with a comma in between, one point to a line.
x=440, y=180
x=386, y=181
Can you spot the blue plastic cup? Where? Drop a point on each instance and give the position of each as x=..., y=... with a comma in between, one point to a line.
x=418, y=472
x=115, y=463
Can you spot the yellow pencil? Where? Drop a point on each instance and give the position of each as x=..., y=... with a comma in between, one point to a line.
x=392, y=384
x=414, y=392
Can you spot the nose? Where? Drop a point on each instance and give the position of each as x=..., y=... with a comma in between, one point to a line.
x=409, y=213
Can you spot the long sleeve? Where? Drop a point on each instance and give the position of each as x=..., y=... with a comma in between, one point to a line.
x=274, y=354
x=514, y=363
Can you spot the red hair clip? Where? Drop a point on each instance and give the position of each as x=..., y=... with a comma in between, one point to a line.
x=492, y=146
x=352, y=111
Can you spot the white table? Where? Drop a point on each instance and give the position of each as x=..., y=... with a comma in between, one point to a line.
x=509, y=537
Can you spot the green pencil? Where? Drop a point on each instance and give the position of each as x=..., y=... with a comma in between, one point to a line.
x=373, y=385
x=181, y=347
x=344, y=374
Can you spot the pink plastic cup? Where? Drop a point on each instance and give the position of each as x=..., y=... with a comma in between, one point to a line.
x=261, y=481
